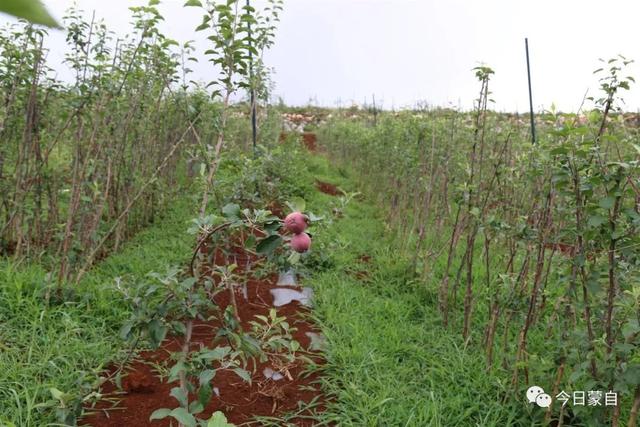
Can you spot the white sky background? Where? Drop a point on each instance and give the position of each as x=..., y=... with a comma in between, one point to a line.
x=405, y=51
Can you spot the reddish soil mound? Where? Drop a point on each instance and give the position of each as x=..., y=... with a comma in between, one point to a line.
x=327, y=188
x=309, y=139
x=364, y=258
x=144, y=390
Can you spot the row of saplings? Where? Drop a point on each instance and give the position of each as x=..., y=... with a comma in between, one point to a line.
x=187, y=299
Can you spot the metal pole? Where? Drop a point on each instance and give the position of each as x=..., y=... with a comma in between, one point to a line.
x=375, y=111
x=533, y=122
x=254, y=126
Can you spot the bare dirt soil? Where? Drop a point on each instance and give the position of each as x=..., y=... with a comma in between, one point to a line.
x=328, y=188
x=144, y=390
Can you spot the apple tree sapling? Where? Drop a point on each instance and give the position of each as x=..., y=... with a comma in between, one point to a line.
x=296, y=222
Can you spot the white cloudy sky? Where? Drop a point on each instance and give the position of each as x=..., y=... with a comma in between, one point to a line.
x=404, y=51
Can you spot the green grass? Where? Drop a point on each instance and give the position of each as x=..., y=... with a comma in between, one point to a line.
x=390, y=362
x=63, y=346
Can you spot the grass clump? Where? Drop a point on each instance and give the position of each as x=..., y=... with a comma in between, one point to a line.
x=49, y=344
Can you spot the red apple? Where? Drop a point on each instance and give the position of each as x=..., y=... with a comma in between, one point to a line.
x=301, y=242
x=295, y=222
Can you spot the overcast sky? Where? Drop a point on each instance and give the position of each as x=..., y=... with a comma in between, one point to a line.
x=405, y=51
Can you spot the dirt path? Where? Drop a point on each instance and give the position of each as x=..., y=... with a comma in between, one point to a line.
x=144, y=391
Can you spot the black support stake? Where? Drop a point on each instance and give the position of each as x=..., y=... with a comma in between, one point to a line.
x=375, y=111
x=533, y=122
x=254, y=125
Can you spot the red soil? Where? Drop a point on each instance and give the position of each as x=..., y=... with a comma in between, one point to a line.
x=364, y=258
x=327, y=188
x=143, y=391
x=309, y=139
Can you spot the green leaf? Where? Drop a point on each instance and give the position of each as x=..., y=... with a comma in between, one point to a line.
x=204, y=394
x=175, y=371
x=217, y=353
x=231, y=211
x=159, y=414
x=594, y=287
x=250, y=242
x=179, y=328
x=218, y=420
x=157, y=332
x=193, y=3
x=631, y=329
x=596, y=221
x=206, y=376
x=632, y=375
x=624, y=348
x=244, y=374
x=56, y=394
x=196, y=407
x=272, y=227
x=607, y=202
x=297, y=204
x=202, y=27
x=31, y=10
x=180, y=395
x=125, y=330
x=314, y=218
x=188, y=283
x=617, y=234
x=183, y=416
x=559, y=150
x=268, y=245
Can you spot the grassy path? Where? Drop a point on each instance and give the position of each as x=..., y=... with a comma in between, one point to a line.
x=390, y=362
